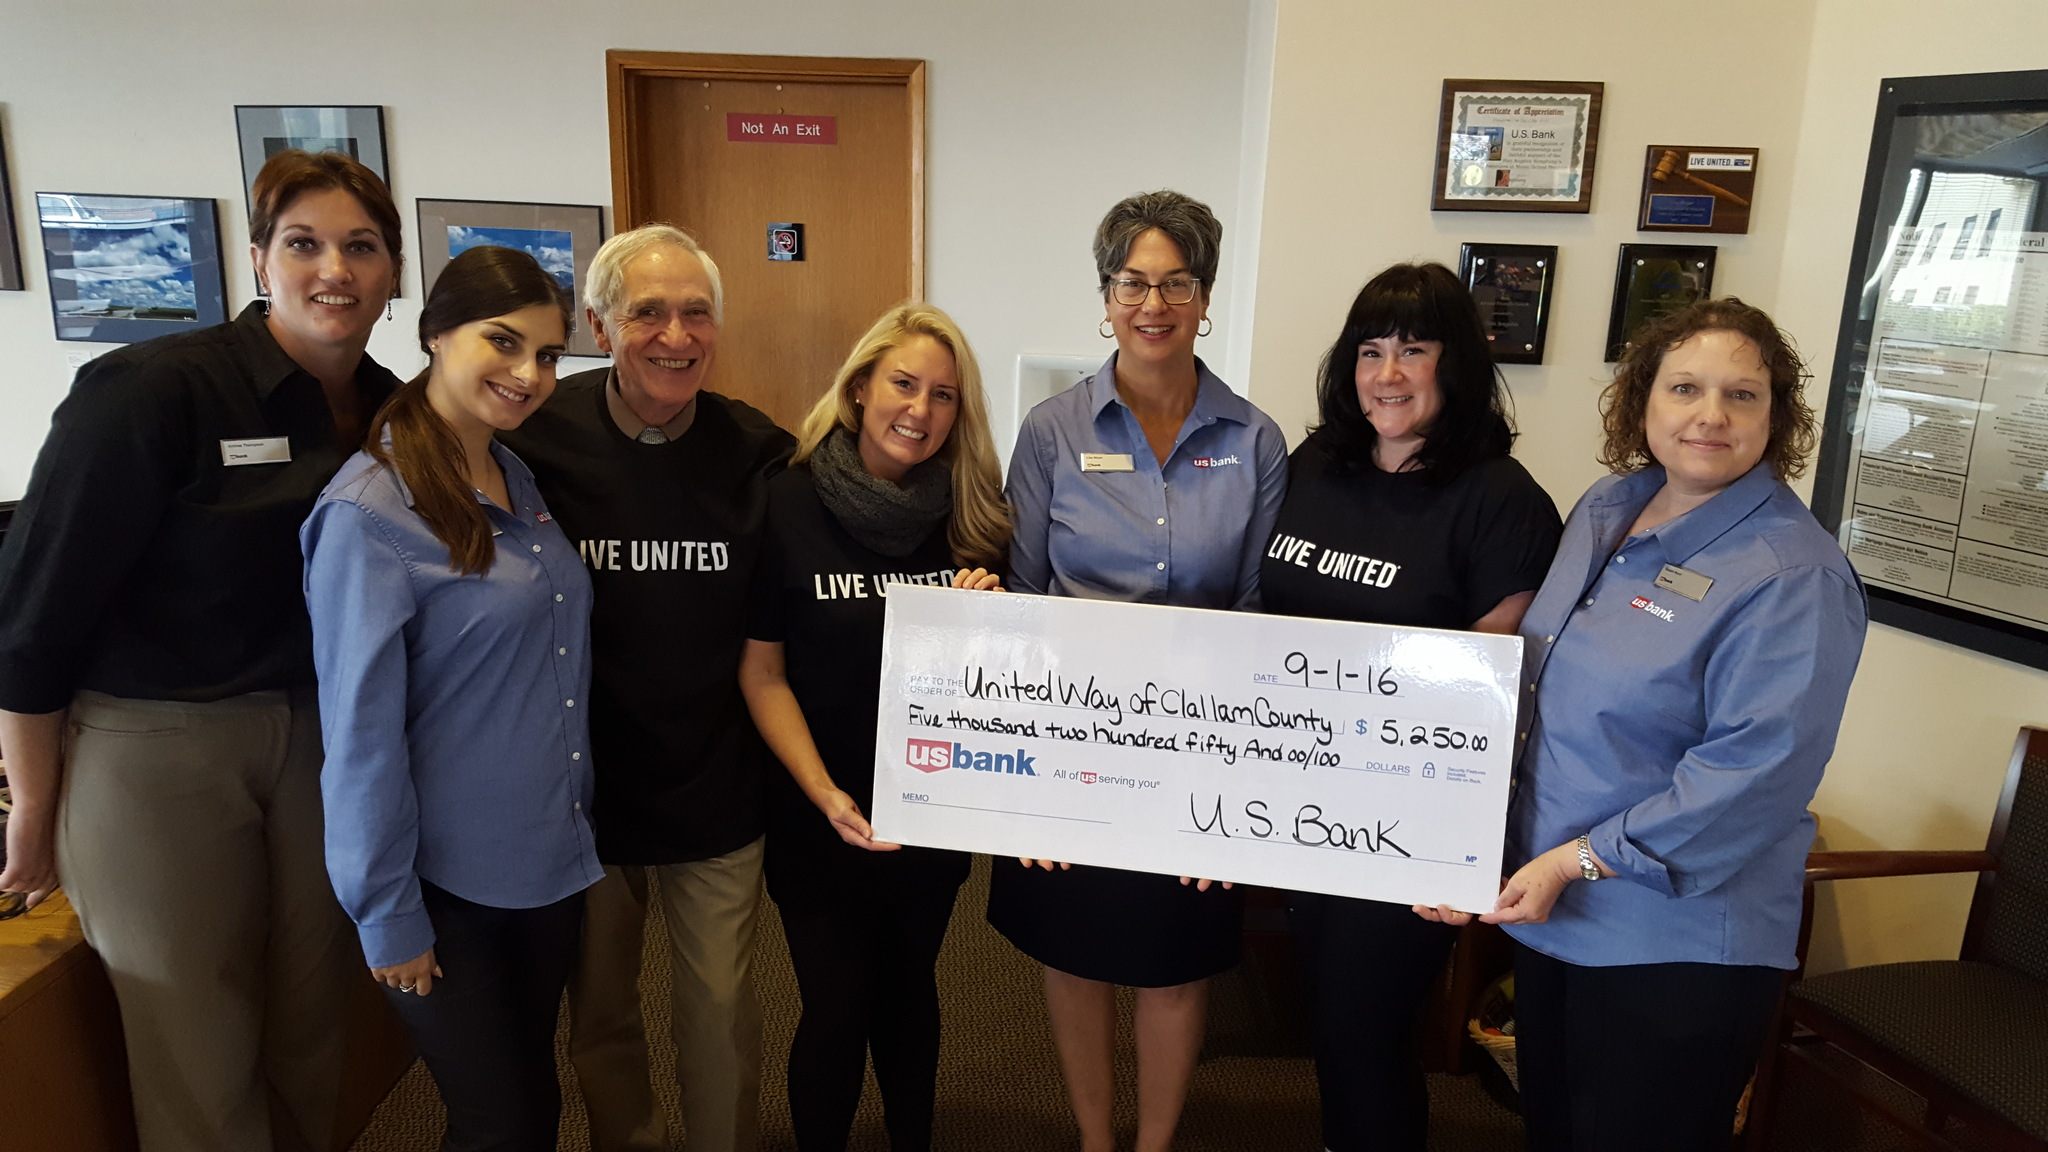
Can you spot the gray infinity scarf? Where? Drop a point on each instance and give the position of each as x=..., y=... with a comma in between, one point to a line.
x=892, y=519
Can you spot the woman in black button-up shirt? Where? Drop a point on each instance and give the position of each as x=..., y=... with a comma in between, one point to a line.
x=156, y=672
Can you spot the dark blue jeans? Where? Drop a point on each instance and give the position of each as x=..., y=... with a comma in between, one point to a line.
x=487, y=1028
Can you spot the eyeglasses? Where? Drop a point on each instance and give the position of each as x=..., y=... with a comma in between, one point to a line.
x=1131, y=293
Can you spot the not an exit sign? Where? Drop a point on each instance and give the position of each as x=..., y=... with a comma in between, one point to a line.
x=767, y=128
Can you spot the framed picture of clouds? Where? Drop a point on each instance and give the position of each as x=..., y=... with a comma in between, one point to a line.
x=561, y=236
x=267, y=129
x=129, y=268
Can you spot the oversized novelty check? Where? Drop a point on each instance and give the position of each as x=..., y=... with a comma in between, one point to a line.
x=1353, y=759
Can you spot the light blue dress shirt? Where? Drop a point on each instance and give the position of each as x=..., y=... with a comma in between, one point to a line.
x=1685, y=736
x=1190, y=533
x=453, y=707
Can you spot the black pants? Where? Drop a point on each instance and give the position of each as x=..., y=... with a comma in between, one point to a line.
x=1636, y=1056
x=487, y=1029
x=1368, y=966
x=865, y=968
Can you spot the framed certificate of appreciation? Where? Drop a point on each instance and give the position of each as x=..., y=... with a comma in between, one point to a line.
x=1517, y=146
x=1510, y=283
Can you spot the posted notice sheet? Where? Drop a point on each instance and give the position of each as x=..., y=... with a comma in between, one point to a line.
x=1948, y=485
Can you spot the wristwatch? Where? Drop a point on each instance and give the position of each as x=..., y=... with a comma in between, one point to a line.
x=1587, y=868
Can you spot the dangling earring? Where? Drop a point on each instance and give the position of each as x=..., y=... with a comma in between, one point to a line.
x=1207, y=327
x=387, y=307
x=263, y=296
x=1104, y=328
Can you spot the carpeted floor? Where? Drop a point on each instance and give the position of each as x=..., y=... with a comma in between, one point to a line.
x=999, y=1083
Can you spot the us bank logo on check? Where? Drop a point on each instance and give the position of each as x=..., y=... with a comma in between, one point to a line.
x=939, y=755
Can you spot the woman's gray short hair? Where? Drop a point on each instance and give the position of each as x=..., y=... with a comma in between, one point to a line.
x=606, y=280
x=1185, y=220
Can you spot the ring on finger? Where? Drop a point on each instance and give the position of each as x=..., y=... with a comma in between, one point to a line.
x=407, y=987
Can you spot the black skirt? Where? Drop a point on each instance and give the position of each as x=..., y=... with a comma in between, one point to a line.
x=1131, y=928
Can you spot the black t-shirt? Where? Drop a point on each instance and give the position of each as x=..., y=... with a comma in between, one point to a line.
x=823, y=596
x=670, y=533
x=1392, y=548
x=156, y=552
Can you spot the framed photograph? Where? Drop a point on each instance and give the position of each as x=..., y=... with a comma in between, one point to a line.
x=1511, y=285
x=1931, y=471
x=129, y=268
x=1517, y=146
x=267, y=129
x=1651, y=280
x=10, y=241
x=1693, y=189
x=562, y=237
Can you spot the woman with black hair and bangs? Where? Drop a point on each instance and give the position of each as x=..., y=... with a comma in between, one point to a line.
x=1408, y=466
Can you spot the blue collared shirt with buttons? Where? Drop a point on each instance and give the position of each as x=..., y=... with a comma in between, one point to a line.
x=453, y=707
x=1685, y=736
x=1189, y=533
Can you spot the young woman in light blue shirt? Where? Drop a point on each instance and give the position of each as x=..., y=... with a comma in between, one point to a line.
x=451, y=621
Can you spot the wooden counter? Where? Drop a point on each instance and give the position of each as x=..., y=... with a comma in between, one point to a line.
x=62, y=1066
x=60, y=1039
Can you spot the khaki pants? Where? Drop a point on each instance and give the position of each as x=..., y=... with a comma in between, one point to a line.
x=190, y=843
x=710, y=908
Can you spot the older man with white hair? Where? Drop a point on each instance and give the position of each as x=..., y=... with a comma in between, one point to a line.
x=662, y=485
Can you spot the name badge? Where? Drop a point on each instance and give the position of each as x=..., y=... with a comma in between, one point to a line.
x=1685, y=582
x=268, y=450
x=1106, y=462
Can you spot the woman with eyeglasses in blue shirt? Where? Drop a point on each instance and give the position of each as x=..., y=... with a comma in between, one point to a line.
x=1150, y=482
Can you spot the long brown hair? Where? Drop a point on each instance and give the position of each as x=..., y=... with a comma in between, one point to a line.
x=477, y=285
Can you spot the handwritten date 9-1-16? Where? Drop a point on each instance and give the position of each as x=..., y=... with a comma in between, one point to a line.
x=1441, y=736
x=1332, y=676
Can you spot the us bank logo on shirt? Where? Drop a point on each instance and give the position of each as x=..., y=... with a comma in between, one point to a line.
x=1214, y=461
x=1653, y=609
x=939, y=755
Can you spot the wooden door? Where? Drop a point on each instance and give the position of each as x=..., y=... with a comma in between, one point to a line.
x=725, y=146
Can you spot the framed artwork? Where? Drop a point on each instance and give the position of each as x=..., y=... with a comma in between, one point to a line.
x=1517, y=146
x=1931, y=471
x=1651, y=280
x=267, y=129
x=1511, y=285
x=129, y=268
x=562, y=237
x=10, y=241
x=1692, y=189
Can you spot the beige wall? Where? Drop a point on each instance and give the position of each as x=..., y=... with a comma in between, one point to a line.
x=1028, y=138
x=1930, y=726
x=1355, y=103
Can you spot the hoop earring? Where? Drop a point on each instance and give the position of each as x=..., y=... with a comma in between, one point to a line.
x=1104, y=328
x=1207, y=327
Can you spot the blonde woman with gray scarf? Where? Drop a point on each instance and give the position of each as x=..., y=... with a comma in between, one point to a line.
x=894, y=481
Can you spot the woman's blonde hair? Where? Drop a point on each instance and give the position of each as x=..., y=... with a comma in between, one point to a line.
x=979, y=532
